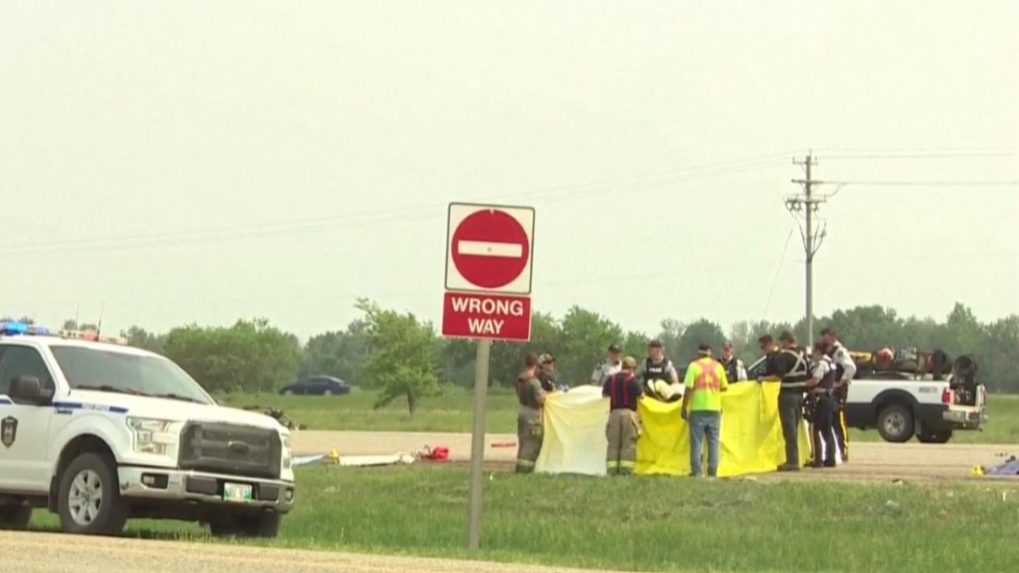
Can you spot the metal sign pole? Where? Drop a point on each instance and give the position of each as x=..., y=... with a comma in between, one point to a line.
x=478, y=444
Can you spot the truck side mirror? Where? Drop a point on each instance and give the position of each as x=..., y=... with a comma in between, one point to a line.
x=29, y=390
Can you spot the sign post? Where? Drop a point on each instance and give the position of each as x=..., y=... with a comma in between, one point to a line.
x=489, y=255
x=478, y=444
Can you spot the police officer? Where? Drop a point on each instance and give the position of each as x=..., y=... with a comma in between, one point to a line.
x=735, y=370
x=623, y=390
x=845, y=370
x=820, y=391
x=791, y=366
x=611, y=366
x=657, y=367
x=530, y=431
x=770, y=352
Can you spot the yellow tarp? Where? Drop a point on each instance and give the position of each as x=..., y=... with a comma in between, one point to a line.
x=575, y=441
x=751, y=434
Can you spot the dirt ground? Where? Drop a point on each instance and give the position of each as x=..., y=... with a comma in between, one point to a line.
x=52, y=553
x=869, y=461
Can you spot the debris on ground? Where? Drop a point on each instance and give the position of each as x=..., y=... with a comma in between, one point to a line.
x=335, y=459
x=436, y=454
x=1008, y=469
x=503, y=445
x=299, y=461
x=279, y=416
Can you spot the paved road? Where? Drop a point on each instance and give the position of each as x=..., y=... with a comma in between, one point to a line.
x=870, y=460
x=53, y=553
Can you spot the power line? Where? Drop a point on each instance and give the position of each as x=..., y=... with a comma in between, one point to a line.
x=410, y=213
x=922, y=155
x=960, y=183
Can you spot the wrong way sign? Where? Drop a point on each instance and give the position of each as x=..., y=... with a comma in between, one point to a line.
x=489, y=248
x=489, y=254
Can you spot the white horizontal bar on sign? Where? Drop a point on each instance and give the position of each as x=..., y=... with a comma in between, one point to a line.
x=489, y=249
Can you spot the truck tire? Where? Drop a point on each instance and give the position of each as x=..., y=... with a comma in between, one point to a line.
x=265, y=525
x=15, y=516
x=939, y=437
x=895, y=423
x=88, y=497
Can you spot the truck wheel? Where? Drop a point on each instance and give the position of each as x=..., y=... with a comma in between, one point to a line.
x=895, y=423
x=941, y=437
x=264, y=525
x=15, y=516
x=88, y=498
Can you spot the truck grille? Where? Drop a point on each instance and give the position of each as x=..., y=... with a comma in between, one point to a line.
x=230, y=449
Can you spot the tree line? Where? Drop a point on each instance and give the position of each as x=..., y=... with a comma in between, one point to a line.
x=404, y=358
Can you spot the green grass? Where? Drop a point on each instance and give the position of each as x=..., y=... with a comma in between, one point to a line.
x=452, y=412
x=650, y=523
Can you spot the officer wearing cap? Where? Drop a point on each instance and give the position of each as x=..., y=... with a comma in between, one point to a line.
x=791, y=366
x=611, y=366
x=623, y=389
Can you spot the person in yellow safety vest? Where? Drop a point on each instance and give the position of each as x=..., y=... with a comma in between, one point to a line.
x=530, y=431
x=623, y=390
x=702, y=408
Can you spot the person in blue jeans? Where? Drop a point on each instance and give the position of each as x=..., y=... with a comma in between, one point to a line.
x=702, y=409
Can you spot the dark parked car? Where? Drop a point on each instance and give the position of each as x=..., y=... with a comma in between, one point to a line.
x=318, y=386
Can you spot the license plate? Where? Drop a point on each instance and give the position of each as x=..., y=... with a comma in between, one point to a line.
x=238, y=492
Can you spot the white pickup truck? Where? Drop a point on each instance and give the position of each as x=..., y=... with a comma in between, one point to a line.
x=99, y=433
x=901, y=406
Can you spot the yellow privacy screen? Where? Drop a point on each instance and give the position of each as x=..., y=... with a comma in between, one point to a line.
x=575, y=441
x=751, y=434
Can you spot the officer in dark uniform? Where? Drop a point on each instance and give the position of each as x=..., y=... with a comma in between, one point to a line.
x=845, y=370
x=770, y=352
x=790, y=365
x=820, y=392
x=657, y=367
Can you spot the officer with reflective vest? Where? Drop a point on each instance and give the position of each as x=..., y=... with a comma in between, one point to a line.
x=623, y=390
x=702, y=409
x=530, y=431
x=660, y=377
x=820, y=392
x=791, y=366
x=845, y=370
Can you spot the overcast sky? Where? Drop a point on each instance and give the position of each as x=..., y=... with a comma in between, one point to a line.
x=202, y=161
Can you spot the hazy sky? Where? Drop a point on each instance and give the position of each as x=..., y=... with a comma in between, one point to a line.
x=204, y=161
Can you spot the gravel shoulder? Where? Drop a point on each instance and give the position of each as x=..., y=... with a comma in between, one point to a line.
x=52, y=553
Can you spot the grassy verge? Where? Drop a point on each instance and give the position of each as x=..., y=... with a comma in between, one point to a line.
x=452, y=413
x=651, y=524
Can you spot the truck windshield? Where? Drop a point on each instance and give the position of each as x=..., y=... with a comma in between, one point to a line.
x=106, y=371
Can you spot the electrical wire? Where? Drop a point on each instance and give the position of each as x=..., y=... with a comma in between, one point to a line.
x=778, y=270
x=410, y=213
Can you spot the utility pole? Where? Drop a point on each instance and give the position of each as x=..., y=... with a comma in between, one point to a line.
x=808, y=204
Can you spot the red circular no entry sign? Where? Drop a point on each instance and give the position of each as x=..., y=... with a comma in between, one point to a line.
x=490, y=248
